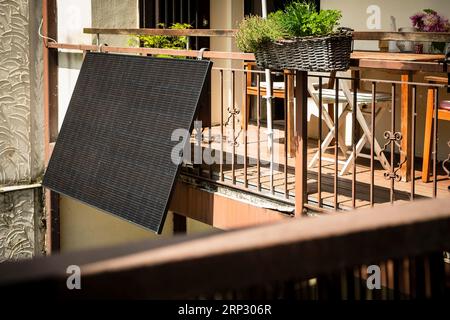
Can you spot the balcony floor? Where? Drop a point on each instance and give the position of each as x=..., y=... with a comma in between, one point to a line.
x=363, y=176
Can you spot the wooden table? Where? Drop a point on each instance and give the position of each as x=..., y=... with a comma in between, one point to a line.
x=407, y=64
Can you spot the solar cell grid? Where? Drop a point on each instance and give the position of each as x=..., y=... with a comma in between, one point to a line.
x=114, y=148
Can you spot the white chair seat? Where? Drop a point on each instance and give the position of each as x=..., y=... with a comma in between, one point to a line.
x=276, y=85
x=329, y=95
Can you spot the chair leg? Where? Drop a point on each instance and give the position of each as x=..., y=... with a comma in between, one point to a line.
x=361, y=143
x=349, y=162
x=330, y=136
x=341, y=138
x=428, y=137
x=245, y=112
x=325, y=143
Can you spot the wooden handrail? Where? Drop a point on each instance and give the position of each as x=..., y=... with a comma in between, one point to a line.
x=402, y=36
x=191, y=266
x=155, y=51
x=357, y=35
x=165, y=32
x=356, y=62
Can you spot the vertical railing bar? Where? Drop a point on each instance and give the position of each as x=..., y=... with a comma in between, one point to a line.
x=336, y=146
x=173, y=11
x=181, y=12
x=166, y=14
x=221, y=127
x=372, y=146
x=319, y=171
x=435, y=137
x=392, y=188
x=413, y=137
x=354, y=121
x=157, y=13
x=210, y=149
x=286, y=133
x=258, y=123
x=199, y=139
x=245, y=129
x=233, y=120
x=196, y=24
x=189, y=11
x=270, y=94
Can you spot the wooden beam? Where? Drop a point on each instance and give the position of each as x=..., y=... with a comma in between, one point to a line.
x=178, y=267
x=155, y=51
x=357, y=35
x=431, y=67
x=165, y=32
x=357, y=60
x=301, y=142
x=402, y=36
x=50, y=62
x=406, y=113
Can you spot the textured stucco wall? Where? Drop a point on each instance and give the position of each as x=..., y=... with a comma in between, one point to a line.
x=21, y=128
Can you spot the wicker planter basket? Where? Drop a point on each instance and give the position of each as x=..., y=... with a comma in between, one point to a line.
x=320, y=54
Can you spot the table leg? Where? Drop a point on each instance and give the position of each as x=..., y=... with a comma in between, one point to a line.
x=406, y=126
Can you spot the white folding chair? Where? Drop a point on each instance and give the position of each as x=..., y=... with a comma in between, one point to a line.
x=345, y=95
x=328, y=97
x=365, y=100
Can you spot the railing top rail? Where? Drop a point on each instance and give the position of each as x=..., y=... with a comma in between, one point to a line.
x=396, y=65
x=402, y=36
x=294, y=249
x=378, y=81
x=357, y=35
x=155, y=51
x=164, y=32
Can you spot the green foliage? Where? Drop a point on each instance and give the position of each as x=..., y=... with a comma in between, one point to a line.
x=301, y=19
x=298, y=19
x=163, y=42
x=254, y=31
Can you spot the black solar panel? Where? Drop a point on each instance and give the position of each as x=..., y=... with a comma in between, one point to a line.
x=114, y=148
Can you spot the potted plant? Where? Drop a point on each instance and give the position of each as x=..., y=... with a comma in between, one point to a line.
x=430, y=21
x=298, y=37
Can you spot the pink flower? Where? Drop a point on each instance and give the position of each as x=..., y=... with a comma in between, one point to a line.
x=430, y=21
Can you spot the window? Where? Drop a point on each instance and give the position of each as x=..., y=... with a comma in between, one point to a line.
x=167, y=12
x=254, y=6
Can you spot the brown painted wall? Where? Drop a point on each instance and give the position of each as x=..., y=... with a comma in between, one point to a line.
x=219, y=211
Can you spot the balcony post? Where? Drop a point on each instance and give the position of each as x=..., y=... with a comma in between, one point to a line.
x=301, y=142
x=50, y=87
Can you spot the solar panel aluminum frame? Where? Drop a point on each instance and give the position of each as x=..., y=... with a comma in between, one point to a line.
x=50, y=174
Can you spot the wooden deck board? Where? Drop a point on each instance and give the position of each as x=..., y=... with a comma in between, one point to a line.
x=382, y=186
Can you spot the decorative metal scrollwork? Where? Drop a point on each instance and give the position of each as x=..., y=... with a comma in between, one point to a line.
x=232, y=113
x=396, y=138
x=447, y=161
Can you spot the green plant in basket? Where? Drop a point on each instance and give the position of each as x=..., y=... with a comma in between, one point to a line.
x=299, y=37
x=298, y=19
x=255, y=31
x=163, y=42
x=301, y=19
